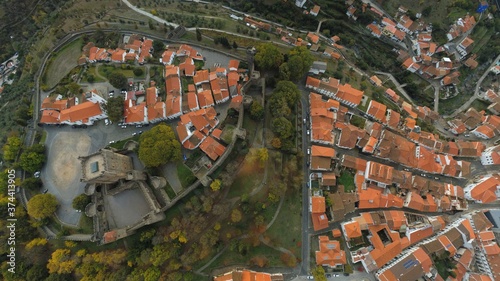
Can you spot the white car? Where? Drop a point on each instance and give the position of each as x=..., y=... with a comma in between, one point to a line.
x=107, y=122
x=308, y=132
x=308, y=151
x=36, y=174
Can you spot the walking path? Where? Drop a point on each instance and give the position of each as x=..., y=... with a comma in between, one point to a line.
x=399, y=87
x=149, y=15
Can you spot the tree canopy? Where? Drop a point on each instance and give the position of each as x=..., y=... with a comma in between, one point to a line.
x=11, y=148
x=159, y=146
x=117, y=80
x=33, y=158
x=289, y=91
x=42, y=205
x=114, y=108
x=282, y=127
x=300, y=60
x=216, y=184
x=268, y=56
x=31, y=183
x=80, y=202
x=256, y=110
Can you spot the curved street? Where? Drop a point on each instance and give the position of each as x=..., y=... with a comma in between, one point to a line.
x=477, y=94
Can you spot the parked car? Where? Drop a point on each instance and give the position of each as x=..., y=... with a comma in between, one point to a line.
x=107, y=122
x=138, y=126
x=123, y=126
x=436, y=178
x=308, y=132
x=310, y=277
x=111, y=142
x=36, y=174
x=45, y=191
x=336, y=275
x=308, y=151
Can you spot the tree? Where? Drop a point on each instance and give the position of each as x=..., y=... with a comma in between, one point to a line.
x=268, y=56
x=138, y=71
x=81, y=201
x=114, y=108
x=42, y=205
x=159, y=146
x=37, y=272
x=90, y=78
x=117, y=80
x=33, y=158
x=152, y=274
x=236, y=215
x=276, y=143
x=11, y=148
x=158, y=46
x=300, y=60
x=36, y=242
x=257, y=110
x=282, y=127
x=198, y=35
x=73, y=88
x=215, y=185
x=235, y=45
x=61, y=262
x=284, y=71
x=262, y=155
x=319, y=273
x=289, y=91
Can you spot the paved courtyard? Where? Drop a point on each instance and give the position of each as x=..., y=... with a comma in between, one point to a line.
x=125, y=208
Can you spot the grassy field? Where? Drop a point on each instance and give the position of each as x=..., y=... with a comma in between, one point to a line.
x=62, y=62
x=247, y=179
x=86, y=224
x=185, y=175
x=347, y=180
x=286, y=230
x=480, y=105
x=170, y=192
x=91, y=71
x=234, y=258
x=481, y=36
x=106, y=70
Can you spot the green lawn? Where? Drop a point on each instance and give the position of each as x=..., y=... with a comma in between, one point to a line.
x=185, y=175
x=286, y=230
x=63, y=62
x=106, y=70
x=480, y=105
x=244, y=183
x=170, y=192
x=86, y=224
x=233, y=257
x=91, y=71
x=347, y=180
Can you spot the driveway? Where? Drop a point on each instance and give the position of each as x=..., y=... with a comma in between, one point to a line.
x=62, y=172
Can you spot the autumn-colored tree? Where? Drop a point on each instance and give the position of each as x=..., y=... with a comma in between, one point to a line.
x=11, y=148
x=319, y=273
x=36, y=243
x=236, y=215
x=288, y=260
x=61, y=262
x=216, y=184
x=276, y=143
x=260, y=261
x=42, y=205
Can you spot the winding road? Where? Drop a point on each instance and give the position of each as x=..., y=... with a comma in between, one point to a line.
x=476, y=95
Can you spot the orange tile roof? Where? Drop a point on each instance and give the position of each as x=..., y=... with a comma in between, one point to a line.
x=424, y=259
x=420, y=234
x=323, y=151
x=49, y=116
x=212, y=148
x=192, y=99
x=349, y=94
x=320, y=221
x=318, y=204
x=447, y=244
x=379, y=172
x=370, y=198
x=80, y=112
x=205, y=98
x=352, y=230
x=485, y=190
x=336, y=233
x=330, y=252
x=377, y=110
x=313, y=37
x=135, y=114
x=416, y=202
x=118, y=55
